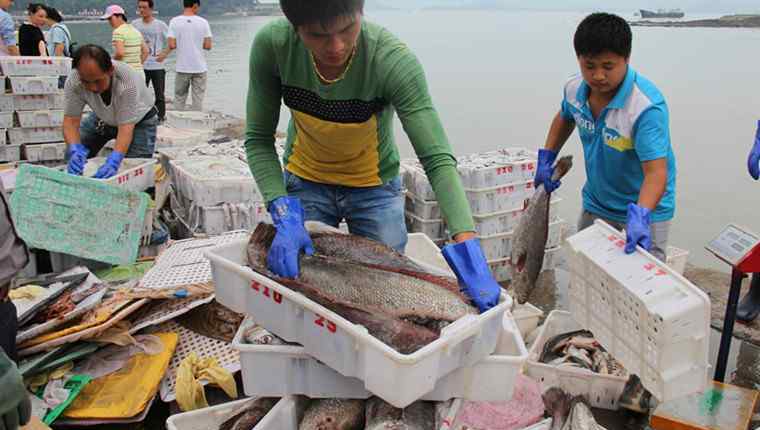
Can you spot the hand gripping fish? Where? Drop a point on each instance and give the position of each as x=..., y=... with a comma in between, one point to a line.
x=530, y=237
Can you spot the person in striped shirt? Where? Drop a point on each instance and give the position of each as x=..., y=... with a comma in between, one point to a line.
x=128, y=43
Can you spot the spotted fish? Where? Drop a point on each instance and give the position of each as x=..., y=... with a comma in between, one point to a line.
x=333, y=414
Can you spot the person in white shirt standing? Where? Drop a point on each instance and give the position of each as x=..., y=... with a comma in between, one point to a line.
x=190, y=35
x=155, y=32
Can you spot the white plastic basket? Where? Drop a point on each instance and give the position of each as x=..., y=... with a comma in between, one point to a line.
x=135, y=174
x=38, y=102
x=35, y=66
x=209, y=181
x=527, y=317
x=167, y=137
x=281, y=370
x=218, y=219
x=602, y=391
x=677, y=258
x=422, y=208
x=502, y=271
x=40, y=118
x=499, y=246
x=6, y=103
x=33, y=84
x=348, y=348
x=10, y=153
x=190, y=119
x=44, y=151
x=502, y=198
x=6, y=119
x=434, y=228
x=494, y=168
x=207, y=418
x=649, y=317
x=499, y=222
x=35, y=135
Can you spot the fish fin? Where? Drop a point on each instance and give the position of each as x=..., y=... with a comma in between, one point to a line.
x=263, y=235
x=562, y=167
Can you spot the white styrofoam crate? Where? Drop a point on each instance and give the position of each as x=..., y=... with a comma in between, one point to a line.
x=486, y=201
x=649, y=317
x=499, y=222
x=38, y=101
x=35, y=135
x=214, y=220
x=677, y=258
x=526, y=317
x=34, y=84
x=6, y=103
x=6, y=119
x=602, y=391
x=502, y=270
x=450, y=422
x=40, y=118
x=44, y=151
x=209, y=181
x=499, y=246
x=346, y=347
x=167, y=137
x=435, y=228
x=207, y=418
x=499, y=167
x=10, y=153
x=35, y=66
x=281, y=370
x=422, y=208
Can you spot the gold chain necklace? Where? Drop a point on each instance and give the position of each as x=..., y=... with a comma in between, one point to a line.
x=342, y=75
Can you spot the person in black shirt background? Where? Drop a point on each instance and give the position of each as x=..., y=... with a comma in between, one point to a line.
x=30, y=37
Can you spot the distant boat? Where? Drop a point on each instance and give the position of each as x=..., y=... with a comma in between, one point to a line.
x=661, y=13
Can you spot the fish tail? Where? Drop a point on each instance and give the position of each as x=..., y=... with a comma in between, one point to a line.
x=563, y=166
x=263, y=235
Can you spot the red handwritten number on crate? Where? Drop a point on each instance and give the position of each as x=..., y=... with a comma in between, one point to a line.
x=274, y=295
x=324, y=322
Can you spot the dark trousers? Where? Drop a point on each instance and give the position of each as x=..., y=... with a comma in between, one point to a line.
x=8, y=328
x=158, y=78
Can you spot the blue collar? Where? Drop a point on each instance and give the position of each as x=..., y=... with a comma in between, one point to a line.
x=617, y=102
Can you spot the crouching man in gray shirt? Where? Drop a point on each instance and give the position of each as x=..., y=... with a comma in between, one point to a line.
x=122, y=109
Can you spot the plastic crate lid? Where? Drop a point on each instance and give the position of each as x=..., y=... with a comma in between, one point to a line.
x=79, y=216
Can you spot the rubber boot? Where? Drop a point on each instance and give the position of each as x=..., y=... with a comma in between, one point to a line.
x=749, y=306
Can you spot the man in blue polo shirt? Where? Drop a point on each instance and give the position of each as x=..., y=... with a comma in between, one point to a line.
x=622, y=120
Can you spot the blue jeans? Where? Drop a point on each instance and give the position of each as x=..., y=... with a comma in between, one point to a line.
x=373, y=212
x=95, y=134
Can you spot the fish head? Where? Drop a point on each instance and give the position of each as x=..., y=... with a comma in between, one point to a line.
x=334, y=414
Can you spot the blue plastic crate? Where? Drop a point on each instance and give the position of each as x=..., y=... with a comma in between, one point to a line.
x=79, y=216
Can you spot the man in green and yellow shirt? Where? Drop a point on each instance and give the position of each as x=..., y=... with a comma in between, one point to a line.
x=343, y=78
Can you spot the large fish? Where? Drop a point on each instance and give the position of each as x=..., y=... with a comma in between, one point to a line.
x=362, y=250
x=383, y=416
x=247, y=419
x=333, y=414
x=529, y=240
x=388, y=303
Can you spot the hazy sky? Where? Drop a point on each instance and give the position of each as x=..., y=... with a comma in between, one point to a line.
x=693, y=6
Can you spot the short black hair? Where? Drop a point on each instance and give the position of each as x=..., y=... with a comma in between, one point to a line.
x=53, y=13
x=95, y=53
x=304, y=12
x=191, y=3
x=150, y=2
x=601, y=32
x=34, y=7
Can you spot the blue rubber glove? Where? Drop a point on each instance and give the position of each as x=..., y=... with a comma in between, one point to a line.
x=637, y=231
x=291, y=238
x=753, y=161
x=110, y=167
x=467, y=261
x=545, y=170
x=77, y=158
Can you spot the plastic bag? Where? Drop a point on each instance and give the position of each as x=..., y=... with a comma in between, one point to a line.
x=190, y=394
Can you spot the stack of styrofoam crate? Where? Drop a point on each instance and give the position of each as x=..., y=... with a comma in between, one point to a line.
x=497, y=185
x=32, y=108
x=216, y=194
